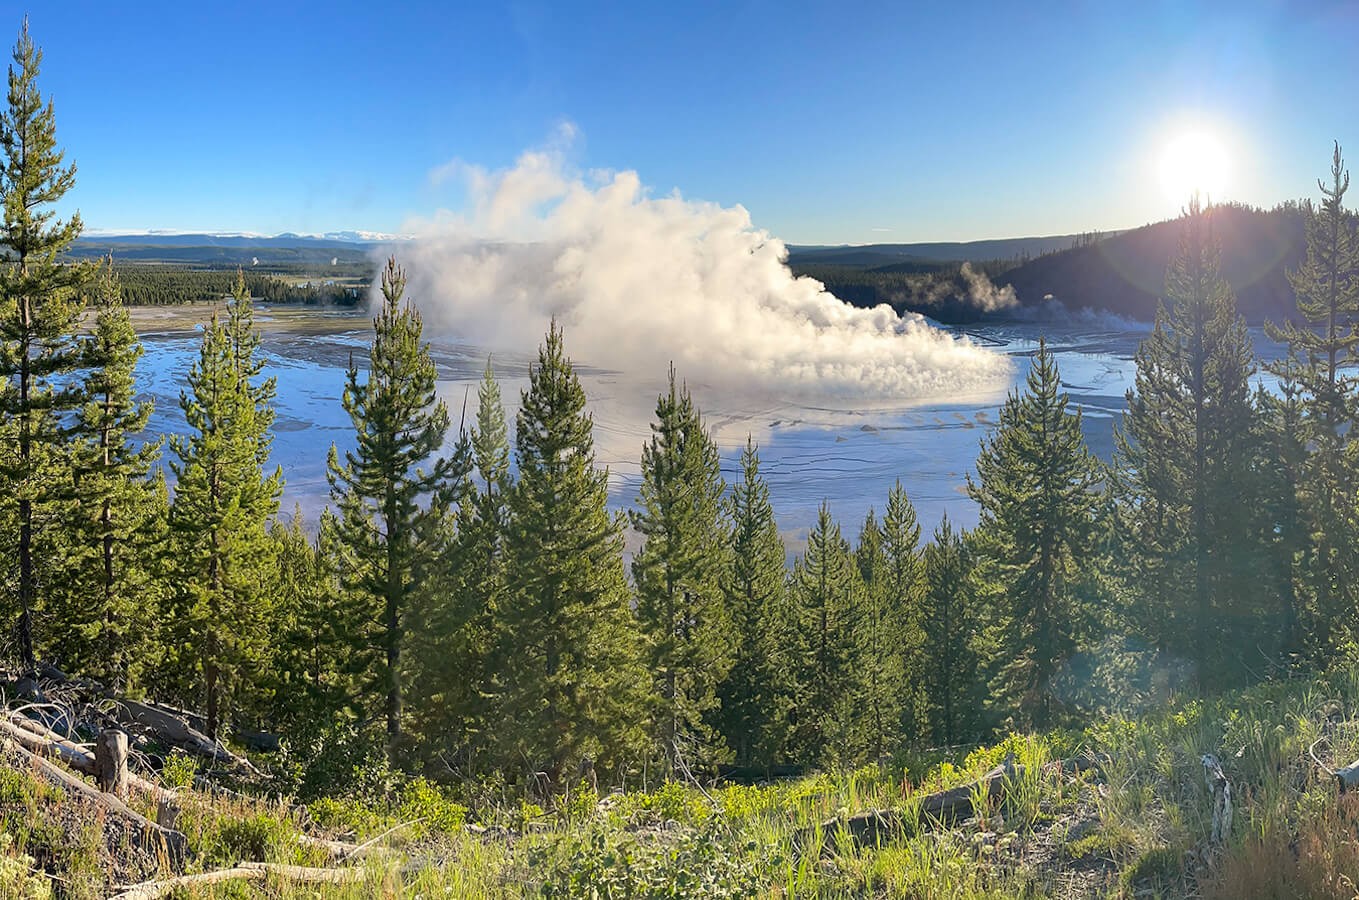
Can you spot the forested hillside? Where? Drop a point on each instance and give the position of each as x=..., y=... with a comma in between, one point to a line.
x=460, y=646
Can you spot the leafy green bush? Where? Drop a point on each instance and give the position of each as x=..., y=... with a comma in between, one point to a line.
x=16, y=877
x=420, y=799
x=179, y=771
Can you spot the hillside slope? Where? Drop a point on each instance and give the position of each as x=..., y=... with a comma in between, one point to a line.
x=1125, y=274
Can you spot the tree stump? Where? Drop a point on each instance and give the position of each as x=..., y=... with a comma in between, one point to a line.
x=110, y=761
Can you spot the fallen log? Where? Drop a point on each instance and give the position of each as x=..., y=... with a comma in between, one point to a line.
x=148, y=834
x=172, y=727
x=248, y=871
x=34, y=737
x=877, y=826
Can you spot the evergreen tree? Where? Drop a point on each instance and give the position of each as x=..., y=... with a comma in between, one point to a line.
x=1038, y=488
x=118, y=521
x=569, y=675
x=382, y=536
x=826, y=588
x=678, y=571
x=881, y=625
x=222, y=506
x=1187, y=456
x=40, y=307
x=457, y=632
x=947, y=616
x=307, y=671
x=901, y=587
x=1319, y=357
x=756, y=695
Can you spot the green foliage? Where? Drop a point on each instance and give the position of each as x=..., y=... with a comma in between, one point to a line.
x=40, y=307
x=569, y=673
x=756, y=697
x=599, y=864
x=17, y=878
x=1037, y=488
x=1188, y=475
x=220, y=615
x=827, y=596
x=947, y=616
x=384, y=536
x=681, y=611
x=1318, y=373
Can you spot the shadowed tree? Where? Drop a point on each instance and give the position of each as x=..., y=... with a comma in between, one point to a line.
x=1038, y=489
x=1319, y=365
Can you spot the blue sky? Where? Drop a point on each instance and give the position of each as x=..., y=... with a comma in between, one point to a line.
x=831, y=123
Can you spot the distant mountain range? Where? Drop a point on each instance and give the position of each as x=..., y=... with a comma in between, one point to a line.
x=939, y=251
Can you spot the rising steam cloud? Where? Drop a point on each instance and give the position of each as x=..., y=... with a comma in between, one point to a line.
x=639, y=280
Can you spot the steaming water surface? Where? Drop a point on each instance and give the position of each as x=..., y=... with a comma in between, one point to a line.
x=846, y=454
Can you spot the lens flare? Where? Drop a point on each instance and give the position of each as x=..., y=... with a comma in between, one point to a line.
x=1195, y=162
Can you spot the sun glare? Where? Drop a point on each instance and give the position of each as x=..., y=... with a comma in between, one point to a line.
x=1195, y=161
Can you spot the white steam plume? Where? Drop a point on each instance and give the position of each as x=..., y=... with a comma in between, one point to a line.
x=638, y=281
x=984, y=295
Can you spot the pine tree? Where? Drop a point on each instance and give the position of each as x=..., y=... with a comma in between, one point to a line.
x=1187, y=456
x=677, y=572
x=115, y=524
x=40, y=307
x=456, y=634
x=383, y=536
x=902, y=583
x=947, y=615
x=1319, y=357
x=308, y=678
x=756, y=696
x=569, y=676
x=222, y=507
x=1038, y=488
x=881, y=625
x=826, y=589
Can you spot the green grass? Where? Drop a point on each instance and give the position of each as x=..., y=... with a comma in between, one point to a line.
x=1138, y=825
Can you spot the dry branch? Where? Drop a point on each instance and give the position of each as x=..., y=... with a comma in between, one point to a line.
x=249, y=871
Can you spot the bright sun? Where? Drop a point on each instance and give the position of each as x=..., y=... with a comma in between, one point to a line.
x=1194, y=161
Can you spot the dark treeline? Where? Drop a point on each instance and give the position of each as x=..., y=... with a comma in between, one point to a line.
x=159, y=285
x=455, y=618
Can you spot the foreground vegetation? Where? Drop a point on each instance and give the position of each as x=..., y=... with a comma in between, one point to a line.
x=1135, y=823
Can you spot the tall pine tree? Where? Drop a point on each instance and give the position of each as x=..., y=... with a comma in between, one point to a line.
x=902, y=584
x=881, y=623
x=220, y=517
x=117, y=521
x=678, y=571
x=756, y=694
x=40, y=307
x=569, y=673
x=1038, y=489
x=948, y=617
x=390, y=510
x=826, y=590
x=1319, y=367
x=1187, y=456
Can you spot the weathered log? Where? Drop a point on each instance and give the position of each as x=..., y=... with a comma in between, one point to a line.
x=172, y=727
x=1347, y=777
x=249, y=871
x=1217, y=782
x=35, y=737
x=110, y=761
x=876, y=826
x=148, y=834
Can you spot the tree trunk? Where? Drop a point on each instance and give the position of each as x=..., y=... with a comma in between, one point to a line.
x=110, y=761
